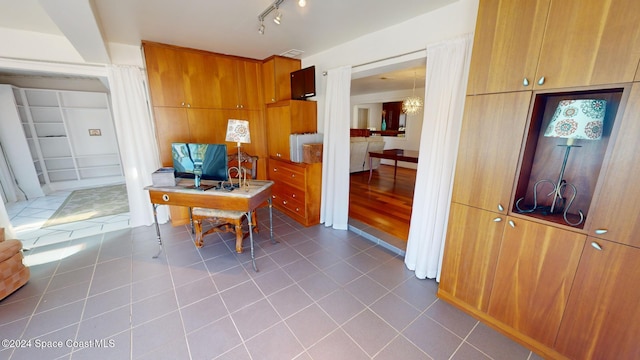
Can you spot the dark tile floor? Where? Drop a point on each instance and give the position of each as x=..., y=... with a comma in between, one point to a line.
x=320, y=294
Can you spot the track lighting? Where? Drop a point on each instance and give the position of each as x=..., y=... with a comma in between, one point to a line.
x=302, y=3
x=278, y=17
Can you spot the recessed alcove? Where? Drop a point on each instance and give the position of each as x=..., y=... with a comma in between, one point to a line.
x=542, y=158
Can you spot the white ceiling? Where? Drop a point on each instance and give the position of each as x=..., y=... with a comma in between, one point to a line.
x=229, y=27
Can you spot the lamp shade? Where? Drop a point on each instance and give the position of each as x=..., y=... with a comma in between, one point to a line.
x=238, y=131
x=578, y=119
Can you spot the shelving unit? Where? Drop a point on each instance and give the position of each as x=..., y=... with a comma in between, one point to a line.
x=71, y=137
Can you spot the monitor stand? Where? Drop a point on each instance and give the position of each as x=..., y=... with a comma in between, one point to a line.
x=198, y=186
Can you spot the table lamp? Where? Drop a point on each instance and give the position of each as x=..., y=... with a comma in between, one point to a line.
x=580, y=119
x=238, y=132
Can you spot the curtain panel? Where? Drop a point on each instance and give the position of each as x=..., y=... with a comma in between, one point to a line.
x=447, y=73
x=334, y=204
x=136, y=140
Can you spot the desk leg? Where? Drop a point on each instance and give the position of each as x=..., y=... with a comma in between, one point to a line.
x=273, y=240
x=155, y=221
x=395, y=169
x=370, y=169
x=253, y=257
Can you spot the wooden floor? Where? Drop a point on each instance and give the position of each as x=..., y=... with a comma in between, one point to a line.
x=384, y=204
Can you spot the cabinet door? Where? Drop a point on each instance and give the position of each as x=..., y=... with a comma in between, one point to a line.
x=490, y=140
x=535, y=271
x=202, y=77
x=602, y=319
x=506, y=45
x=171, y=126
x=590, y=43
x=209, y=126
x=276, y=74
x=278, y=130
x=614, y=212
x=470, y=255
x=164, y=70
x=249, y=85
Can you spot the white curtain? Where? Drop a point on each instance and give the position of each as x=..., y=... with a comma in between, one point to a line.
x=447, y=73
x=136, y=140
x=334, y=205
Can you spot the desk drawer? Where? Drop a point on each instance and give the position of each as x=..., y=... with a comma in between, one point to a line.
x=287, y=173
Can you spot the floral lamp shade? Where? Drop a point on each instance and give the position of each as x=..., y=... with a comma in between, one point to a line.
x=238, y=131
x=578, y=119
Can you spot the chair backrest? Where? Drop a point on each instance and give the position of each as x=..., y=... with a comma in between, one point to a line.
x=247, y=162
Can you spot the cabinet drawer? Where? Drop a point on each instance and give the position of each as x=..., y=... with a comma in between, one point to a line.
x=291, y=207
x=286, y=173
x=290, y=193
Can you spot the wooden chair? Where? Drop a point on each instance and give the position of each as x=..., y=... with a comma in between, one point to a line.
x=226, y=220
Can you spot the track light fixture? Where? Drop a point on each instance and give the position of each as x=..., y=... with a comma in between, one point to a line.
x=277, y=19
x=302, y=3
x=278, y=16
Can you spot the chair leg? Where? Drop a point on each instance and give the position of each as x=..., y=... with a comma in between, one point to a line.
x=239, y=237
x=197, y=225
x=254, y=221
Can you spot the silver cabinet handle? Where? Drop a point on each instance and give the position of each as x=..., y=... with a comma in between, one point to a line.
x=541, y=81
x=500, y=207
x=284, y=202
x=275, y=169
x=596, y=246
x=601, y=231
x=297, y=209
x=525, y=82
x=293, y=195
x=512, y=224
x=498, y=219
x=293, y=175
x=188, y=105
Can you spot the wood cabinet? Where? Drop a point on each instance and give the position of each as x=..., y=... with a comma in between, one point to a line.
x=564, y=289
x=289, y=117
x=491, y=134
x=602, y=320
x=549, y=44
x=276, y=78
x=471, y=254
x=297, y=189
x=534, y=275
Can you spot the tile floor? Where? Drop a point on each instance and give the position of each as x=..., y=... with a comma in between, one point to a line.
x=27, y=218
x=320, y=294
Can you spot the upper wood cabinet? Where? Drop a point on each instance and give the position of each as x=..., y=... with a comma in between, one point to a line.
x=534, y=274
x=285, y=118
x=198, y=79
x=602, y=318
x=615, y=215
x=470, y=257
x=546, y=44
x=490, y=139
x=276, y=78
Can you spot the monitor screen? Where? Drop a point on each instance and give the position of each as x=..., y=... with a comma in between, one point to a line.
x=209, y=159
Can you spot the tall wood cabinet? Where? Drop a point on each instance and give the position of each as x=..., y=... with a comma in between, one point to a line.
x=564, y=289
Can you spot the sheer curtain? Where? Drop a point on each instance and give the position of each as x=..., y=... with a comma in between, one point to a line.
x=136, y=140
x=334, y=205
x=447, y=73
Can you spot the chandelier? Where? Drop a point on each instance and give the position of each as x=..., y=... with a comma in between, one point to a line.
x=412, y=104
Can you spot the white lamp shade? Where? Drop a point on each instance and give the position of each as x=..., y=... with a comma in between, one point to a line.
x=578, y=119
x=238, y=131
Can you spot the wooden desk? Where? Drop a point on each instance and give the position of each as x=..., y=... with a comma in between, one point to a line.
x=244, y=199
x=393, y=154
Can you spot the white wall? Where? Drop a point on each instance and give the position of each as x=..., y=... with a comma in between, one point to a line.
x=415, y=34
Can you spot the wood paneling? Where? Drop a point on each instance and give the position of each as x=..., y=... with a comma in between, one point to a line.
x=172, y=125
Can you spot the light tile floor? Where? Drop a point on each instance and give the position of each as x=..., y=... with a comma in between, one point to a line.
x=27, y=218
x=320, y=294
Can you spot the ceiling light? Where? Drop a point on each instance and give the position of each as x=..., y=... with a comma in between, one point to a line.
x=278, y=17
x=302, y=3
x=412, y=104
